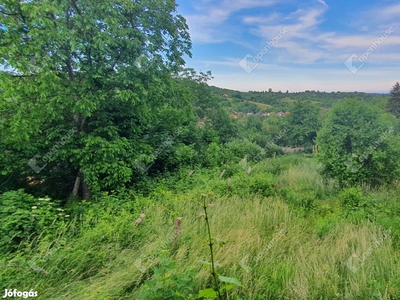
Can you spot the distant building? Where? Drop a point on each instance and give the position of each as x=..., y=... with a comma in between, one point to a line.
x=225, y=95
x=280, y=114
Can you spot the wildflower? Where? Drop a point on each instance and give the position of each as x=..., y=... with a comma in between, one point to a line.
x=34, y=207
x=66, y=216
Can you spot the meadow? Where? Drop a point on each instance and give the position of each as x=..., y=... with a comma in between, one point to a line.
x=283, y=231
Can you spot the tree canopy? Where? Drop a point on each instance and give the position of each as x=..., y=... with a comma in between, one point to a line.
x=393, y=105
x=357, y=144
x=99, y=68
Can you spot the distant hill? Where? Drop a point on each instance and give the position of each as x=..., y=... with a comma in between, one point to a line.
x=269, y=101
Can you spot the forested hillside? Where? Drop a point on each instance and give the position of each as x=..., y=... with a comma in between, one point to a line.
x=125, y=175
x=281, y=101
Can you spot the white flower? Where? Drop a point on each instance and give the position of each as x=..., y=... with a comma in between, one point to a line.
x=34, y=207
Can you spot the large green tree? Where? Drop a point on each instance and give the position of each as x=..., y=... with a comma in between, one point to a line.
x=358, y=143
x=304, y=121
x=393, y=105
x=83, y=83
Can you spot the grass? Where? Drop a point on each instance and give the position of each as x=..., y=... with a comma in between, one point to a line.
x=275, y=251
x=261, y=105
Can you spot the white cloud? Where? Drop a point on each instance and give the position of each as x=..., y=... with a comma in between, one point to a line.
x=323, y=3
x=309, y=52
x=204, y=23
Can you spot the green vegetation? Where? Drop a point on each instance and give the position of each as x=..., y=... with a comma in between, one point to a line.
x=133, y=179
x=360, y=143
x=282, y=101
x=393, y=104
x=291, y=241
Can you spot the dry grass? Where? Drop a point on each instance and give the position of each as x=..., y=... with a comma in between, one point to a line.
x=280, y=264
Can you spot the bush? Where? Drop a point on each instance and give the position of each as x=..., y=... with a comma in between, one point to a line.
x=168, y=282
x=351, y=198
x=24, y=217
x=237, y=150
x=262, y=184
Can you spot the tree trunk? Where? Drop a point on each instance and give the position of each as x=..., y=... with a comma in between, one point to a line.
x=87, y=193
x=76, y=185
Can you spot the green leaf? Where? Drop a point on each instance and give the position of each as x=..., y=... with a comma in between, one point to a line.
x=207, y=263
x=227, y=287
x=207, y=293
x=229, y=280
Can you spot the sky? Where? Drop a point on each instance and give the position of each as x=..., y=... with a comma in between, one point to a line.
x=325, y=45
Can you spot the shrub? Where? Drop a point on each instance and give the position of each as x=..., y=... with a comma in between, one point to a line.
x=262, y=184
x=351, y=198
x=236, y=150
x=25, y=217
x=166, y=283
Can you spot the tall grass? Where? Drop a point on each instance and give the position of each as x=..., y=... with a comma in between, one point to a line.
x=275, y=252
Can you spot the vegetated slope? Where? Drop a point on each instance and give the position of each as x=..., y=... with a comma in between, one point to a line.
x=282, y=231
x=281, y=101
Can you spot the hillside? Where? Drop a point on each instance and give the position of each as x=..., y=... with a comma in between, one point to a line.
x=124, y=175
x=281, y=101
x=281, y=231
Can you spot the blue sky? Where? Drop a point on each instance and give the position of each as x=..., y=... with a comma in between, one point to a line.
x=329, y=45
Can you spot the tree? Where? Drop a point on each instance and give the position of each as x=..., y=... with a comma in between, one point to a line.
x=304, y=121
x=207, y=106
x=393, y=105
x=358, y=144
x=94, y=74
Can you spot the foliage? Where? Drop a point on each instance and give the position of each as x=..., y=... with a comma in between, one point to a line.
x=25, y=217
x=282, y=101
x=167, y=282
x=269, y=247
x=76, y=72
x=393, y=105
x=351, y=198
x=356, y=144
x=221, y=284
x=304, y=122
x=237, y=150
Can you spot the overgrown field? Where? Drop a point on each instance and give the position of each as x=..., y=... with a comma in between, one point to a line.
x=280, y=229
